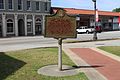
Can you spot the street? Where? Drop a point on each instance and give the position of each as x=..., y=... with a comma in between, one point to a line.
x=16, y=43
x=102, y=35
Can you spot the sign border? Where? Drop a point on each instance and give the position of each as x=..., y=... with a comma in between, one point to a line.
x=65, y=14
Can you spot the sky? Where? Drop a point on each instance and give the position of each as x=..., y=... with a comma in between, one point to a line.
x=104, y=5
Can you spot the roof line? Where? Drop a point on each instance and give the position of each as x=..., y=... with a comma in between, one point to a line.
x=83, y=9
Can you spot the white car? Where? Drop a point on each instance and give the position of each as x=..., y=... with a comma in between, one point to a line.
x=85, y=30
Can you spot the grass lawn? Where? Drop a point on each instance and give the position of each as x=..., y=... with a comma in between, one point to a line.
x=112, y=49
x=23, y=64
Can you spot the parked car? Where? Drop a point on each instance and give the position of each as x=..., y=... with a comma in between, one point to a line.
x=85, y=30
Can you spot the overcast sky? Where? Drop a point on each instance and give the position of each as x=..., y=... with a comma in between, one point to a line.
x=105, y=5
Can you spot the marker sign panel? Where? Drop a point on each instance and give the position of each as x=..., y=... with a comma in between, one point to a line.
x=60, y=25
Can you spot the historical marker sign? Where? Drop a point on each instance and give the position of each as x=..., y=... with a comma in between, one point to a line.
x=60, y=25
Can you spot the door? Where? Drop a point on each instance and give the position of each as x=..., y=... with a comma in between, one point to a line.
x=21, y=28
x=0, y=30
x=38, y=27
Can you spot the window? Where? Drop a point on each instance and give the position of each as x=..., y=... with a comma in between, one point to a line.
x=10, y=4
x=0, y=20
x=37, y=6
x=38, y=20
x=29, y=27
x=0, y=30
x=28, y=5
x=115, y=26
x=0, y=26
x=19, y=4
x=38, y=26
x=9, y=26
x=1, y=4
x=45, y=6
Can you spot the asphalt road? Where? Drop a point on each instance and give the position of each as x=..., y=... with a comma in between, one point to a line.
x=16, y=43
x=103, y=35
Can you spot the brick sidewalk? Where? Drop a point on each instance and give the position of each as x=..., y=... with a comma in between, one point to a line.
x=107, y=66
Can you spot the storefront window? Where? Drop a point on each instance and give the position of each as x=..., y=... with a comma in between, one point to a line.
x=115, y=26
x=10, y=26
x=38, y=26
x=29, y=27
x=0, y=27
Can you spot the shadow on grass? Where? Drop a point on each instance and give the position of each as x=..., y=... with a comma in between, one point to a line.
x=8, y=65
x=78, y=67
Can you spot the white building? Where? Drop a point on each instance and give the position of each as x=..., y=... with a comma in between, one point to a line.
x=23, y=17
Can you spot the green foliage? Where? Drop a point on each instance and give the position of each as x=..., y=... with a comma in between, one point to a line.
x=116, y=10
x=23, y=64
x=111, y=49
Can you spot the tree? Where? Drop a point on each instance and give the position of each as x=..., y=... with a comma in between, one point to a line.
x=116, y=10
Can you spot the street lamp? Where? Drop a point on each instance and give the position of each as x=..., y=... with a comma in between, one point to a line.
x=95, y=32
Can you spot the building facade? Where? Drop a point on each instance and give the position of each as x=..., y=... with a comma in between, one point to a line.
x=85, y=18
x=23, y=17
x=108, y=21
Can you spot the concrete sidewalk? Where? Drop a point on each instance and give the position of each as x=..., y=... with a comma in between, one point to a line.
x=95, y=63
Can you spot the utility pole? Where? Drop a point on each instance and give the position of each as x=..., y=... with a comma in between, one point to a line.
x=95, y=32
